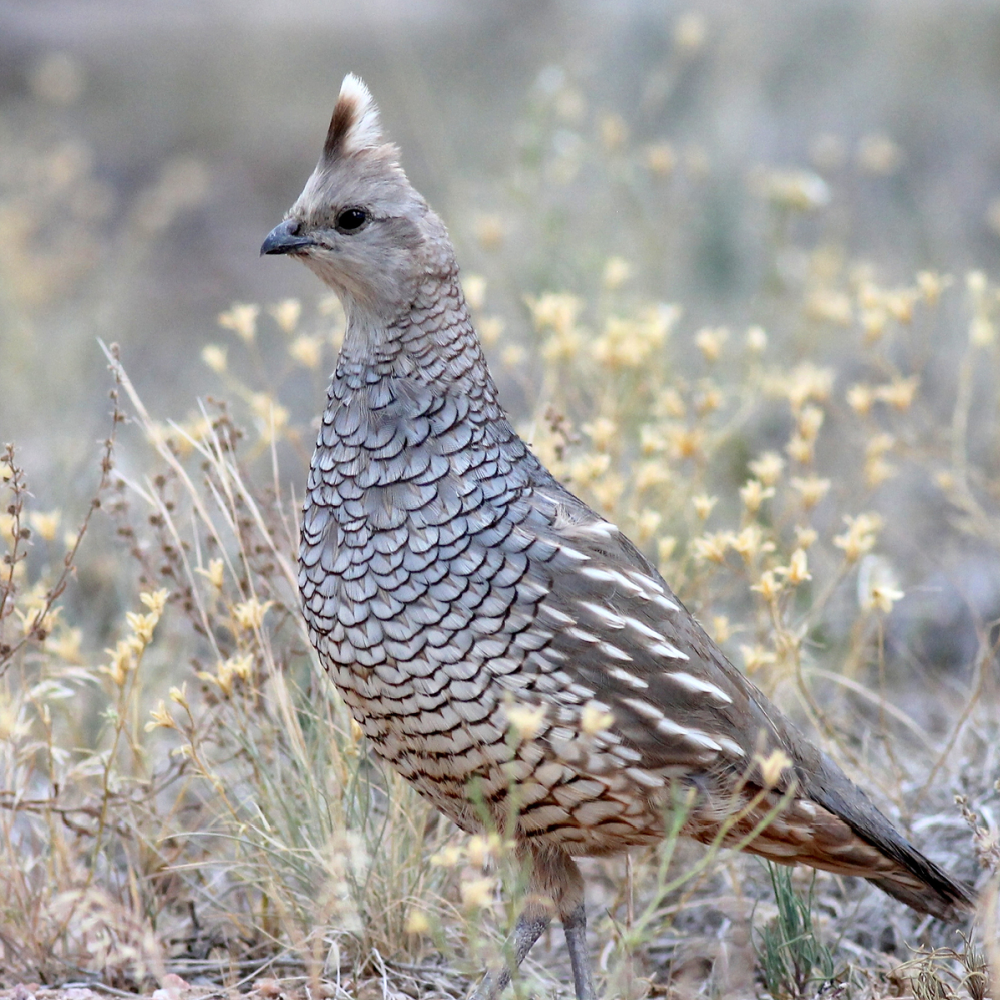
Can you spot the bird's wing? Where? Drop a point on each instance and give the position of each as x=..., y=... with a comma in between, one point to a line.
x=635, y=649
x=678, y=702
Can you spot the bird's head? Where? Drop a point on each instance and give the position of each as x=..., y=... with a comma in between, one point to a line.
x=358, y=223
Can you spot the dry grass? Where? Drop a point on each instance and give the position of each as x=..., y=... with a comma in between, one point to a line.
x=817, y=486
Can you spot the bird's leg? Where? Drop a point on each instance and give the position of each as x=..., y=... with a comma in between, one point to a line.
x=527, y=931
x=575, y=929
x=554, y=888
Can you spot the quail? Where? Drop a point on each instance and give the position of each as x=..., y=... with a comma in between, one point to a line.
x=454, y=589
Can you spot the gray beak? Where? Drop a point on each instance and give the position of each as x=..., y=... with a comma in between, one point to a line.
x=284, y=238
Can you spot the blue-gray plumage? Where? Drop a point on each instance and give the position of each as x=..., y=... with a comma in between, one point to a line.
x=502, y=646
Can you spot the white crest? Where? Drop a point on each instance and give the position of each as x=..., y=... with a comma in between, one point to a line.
x=355, y=124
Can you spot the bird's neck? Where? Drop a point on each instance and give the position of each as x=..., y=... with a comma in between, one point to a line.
x=430, y=340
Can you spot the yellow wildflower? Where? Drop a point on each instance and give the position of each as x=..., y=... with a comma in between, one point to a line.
x=772, y=767
x=448, y=857
x=711, y=548
x=828, y=306
x=749, y=542
x=215, y=357
x=155, y=600
x=477, y=893
x=286, y=314
x=721, y=630
x=797, y=570
x=490, y=231
x=899, y=393
x=670, y=403
x=617, y=271
x=272, y=417
x=690, y=31
x=756, y=657
x=801, y=190
x=661, y=159
x=807, y=381
x=588, y=468
x=860, y=398
x=665, y=548
x=812, y=489
x=595, y=719
x=417, y=922
x=602, y=432
x=215, y=574
x=490, y=329
x=614, y=132
x=555, y=311
x=45, y=525
x=306, y=350
x=474, y=286
x=860, y=537
x=768, y=467
x=703, y=505
x=142, y=626
x=878, y=587
x=241, y=318
x=982, y=332
x=66, y=645
x=651, y=440
x=646, y=523
x=799, y=449
x=931, y=286
x=228, y=670
x=756, y=340
x=122, y=661
x=805, y=536
x=879, y=155
x=160, y=718
x=769, y=586
x=250, y=614
x=810, y=420
x=527, y=721
x=709, y=341
x=753, y=493
x=650, y=474
x=513, y=355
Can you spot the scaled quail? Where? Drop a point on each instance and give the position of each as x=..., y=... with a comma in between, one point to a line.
x=447, y=577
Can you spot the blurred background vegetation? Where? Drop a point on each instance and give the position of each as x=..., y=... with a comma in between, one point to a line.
x=145, y=149
x=773, y=229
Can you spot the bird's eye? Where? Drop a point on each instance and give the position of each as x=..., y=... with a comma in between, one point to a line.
x=351, y=219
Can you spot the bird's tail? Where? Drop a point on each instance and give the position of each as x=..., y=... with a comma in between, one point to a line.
x=832, y=825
